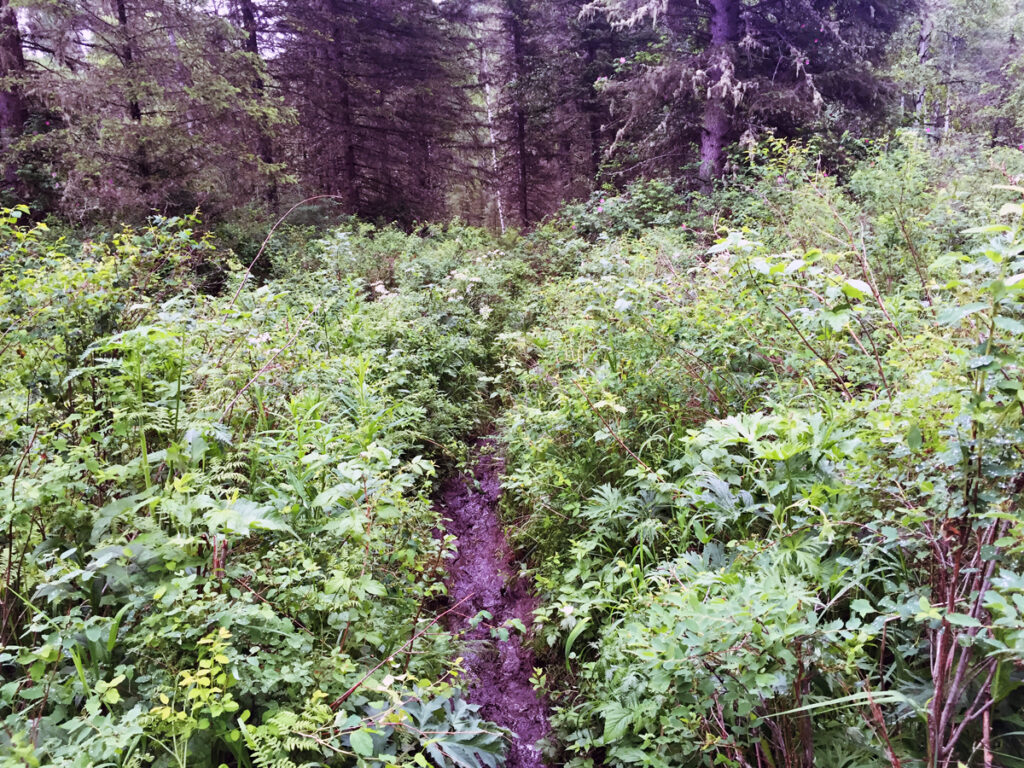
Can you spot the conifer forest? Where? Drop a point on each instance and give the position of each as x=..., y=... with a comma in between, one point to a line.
x=512, y=383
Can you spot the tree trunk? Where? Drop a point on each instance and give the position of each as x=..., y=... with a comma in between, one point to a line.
x=128, y=59
x=492, y=134
x=590, y=105
x=518, y=112
x=13, y=112
x=264, y=147
x=924, y=45
x=134, y=108
x=717, y=123
x=349, y=174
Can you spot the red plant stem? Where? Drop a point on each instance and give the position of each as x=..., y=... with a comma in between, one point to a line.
x=611, y=431
x=835, y=374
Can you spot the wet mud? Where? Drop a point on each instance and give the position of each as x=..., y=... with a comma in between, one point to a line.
x=484, y=574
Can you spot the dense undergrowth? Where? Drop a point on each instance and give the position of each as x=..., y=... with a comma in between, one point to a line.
x=763, y=464
x=771, y=486
x=219, y=537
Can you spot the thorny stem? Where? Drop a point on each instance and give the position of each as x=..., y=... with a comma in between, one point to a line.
x=835, y=374
x=248, y=270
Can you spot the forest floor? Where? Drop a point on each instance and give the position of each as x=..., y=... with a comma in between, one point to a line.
x=485, y=576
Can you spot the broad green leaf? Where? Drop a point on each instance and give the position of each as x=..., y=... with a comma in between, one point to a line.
x=990, y=229
x=616, y=720
x=1008, y=324
x=954, y=315
x=861, y=606
x=628, y=754
x=914, y=438
x=577, y=630
x=856, y=289
x=362, y=742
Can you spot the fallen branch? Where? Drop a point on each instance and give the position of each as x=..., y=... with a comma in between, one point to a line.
x=248, y=270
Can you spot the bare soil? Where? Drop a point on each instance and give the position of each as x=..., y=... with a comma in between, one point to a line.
x=484, y=571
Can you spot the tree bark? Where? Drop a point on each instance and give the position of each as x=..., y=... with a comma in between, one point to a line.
x=492, y=134
x=590, y=107
x=924, y=46
x=134, y=108
x=13, y=112
x=341, y=81
x=349, y=174
x=264, y=147
x=128, y=59
x=518, y=112
x=717, y=122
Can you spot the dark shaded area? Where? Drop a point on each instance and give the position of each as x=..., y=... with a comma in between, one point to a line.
x=498, y=673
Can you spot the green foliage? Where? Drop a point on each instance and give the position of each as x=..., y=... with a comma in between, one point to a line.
x=219, y=510
x=643, y=205
x=769, y=487
x=108, y=140
x=772, y=488
x=438, y=729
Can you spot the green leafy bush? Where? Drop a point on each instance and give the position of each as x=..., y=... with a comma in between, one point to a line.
x=771, y=488
x=764, y=470
x=218, y=508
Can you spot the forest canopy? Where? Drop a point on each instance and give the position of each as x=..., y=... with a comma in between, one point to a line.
x=493, y=112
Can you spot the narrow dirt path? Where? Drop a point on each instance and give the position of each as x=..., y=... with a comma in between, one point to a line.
x=498, y=673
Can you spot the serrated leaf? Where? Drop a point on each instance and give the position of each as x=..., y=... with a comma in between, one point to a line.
x=981, y=361
x=862, y=607
x=914, y=439
x=629, y=754
x=954, y=315
x=616, y=720
x=1008, y=324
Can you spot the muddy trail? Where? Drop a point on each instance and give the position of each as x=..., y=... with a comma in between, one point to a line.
x=483, y=573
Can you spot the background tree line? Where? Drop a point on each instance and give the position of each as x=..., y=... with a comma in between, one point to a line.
x=491, y=110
